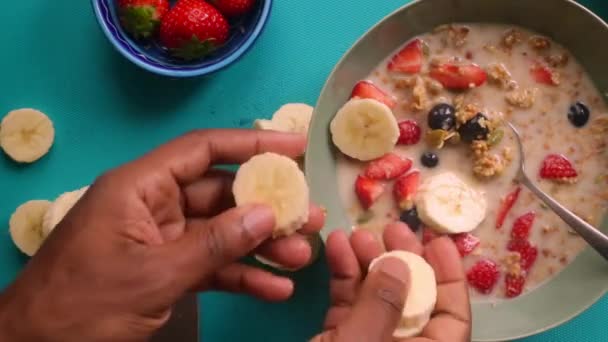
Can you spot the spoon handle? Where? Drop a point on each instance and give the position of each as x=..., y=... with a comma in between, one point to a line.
x=594, y=237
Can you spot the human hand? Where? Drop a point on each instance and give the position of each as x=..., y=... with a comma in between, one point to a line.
x=148, y=232
x=370, y=309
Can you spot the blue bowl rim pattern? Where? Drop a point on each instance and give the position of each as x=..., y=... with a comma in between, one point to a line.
x=121, y=44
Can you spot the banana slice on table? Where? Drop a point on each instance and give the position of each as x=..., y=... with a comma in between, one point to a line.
x=290, y=118
x=364, y=129
x=277, y=181
x=26, y=135
x=25, y=226
x=422, y=294
x=448, y=205
x=60, y=207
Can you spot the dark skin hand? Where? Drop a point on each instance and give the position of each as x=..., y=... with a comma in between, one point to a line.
x=369, y=309
x=149, y=232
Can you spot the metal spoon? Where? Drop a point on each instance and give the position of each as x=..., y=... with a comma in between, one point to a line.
x=593, y=236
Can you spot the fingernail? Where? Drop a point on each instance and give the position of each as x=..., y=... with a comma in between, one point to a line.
x=393, y=267
x=259, y=222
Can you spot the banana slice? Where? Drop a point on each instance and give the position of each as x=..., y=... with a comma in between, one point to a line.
x=315, y=246
x=421, y=297
x=25, y=226
x=274, y=180
x=290, y=118
x=448, y=205
x=60, y=207
x=26, y=135
x=364, y=129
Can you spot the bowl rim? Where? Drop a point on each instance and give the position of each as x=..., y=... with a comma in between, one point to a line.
x=224, y=62
x=575, y=311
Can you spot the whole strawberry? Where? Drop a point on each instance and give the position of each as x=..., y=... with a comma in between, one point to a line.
x=141, y=18
x=192, y=29
x=234, y=8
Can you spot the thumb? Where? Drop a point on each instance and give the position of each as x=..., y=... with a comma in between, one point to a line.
x=209, y=245
x=378, y=309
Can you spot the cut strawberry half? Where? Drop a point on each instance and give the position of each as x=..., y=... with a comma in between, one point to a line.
x=454, y=76
x=543, y=74
x=465, y=243
x=557, y=167
x=405, y=189
x=389, y=166
x=368, y=90
x=409, y=59
x=514, y=285
x=484, y=275
x=409, y=132
x=505, y=206
x=522, y=226
x=527, y=252
x=368, y=191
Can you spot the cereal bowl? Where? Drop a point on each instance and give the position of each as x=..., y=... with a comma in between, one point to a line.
x=563, y=284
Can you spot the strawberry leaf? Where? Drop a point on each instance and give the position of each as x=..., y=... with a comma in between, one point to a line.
x=140, y=21
x=194, y=49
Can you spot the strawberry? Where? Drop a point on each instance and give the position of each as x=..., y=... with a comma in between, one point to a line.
x=465, y=243
x=455, y=76
x=389, y=166
x=405, y=189
x=557, y=167
x=368, y=191
x=368, y=90
x=527, y=252
x=543, y=74
x=409, y=59
x=505, y=206
x=409, y=132
x=192, y=29
x=233, y=8
x=429, y=235
x=483, y=275
x=522, y=226
x=514, y=285
x=141, y=18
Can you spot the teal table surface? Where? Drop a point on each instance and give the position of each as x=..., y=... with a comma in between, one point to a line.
x=107, y=111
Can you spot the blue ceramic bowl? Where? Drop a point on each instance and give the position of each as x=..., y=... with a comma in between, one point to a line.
x=152, y=57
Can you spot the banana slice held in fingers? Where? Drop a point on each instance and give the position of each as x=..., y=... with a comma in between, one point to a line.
x=448, y=205
x=364, y=129
x=25, y=226
x=26, y=135
x=278, y=182
x=59, y=208
x=422, y=294
x=290, y=118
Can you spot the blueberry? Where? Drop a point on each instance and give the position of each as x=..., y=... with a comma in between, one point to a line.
x=429, y=159
x=578, y=114
x=442, y=116
x=410, y=217
x=474, y=129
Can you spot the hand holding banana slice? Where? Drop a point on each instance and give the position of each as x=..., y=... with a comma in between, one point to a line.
x=290, y=118
x=26, y=135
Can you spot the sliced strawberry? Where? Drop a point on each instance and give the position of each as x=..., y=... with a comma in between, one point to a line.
x=543, y=74
x=484, y=275
x=389, y=166
x=527, y=252
x=405, y=189
x=409, y=59
x=557, y=167
x=505, y=206
x=522, y=226
x=409, y=132
x=514, y=285
x=466, y=243
x=368, y=191
x=429, y=235
x=455, y=76
x=368, y=90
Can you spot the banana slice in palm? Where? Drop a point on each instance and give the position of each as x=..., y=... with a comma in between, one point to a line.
x=60, y=207
x=422, y=294
x=364, y=129
x=25, y=226
x=448, y=205
x=277, y=181
x=290, y=118
x=26, y=135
